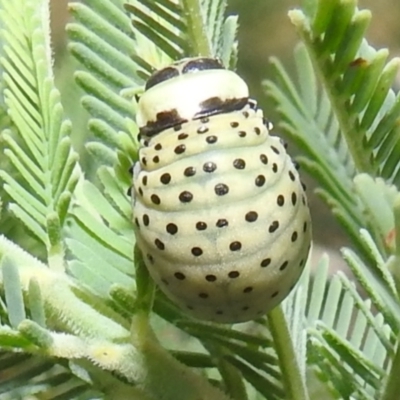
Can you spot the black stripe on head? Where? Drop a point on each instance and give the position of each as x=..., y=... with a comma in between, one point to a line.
x=201, y=64
x=161, y=76
x=209, y=107
x=215, y=105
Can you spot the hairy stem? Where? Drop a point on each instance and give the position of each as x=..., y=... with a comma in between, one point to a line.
x=291, y=375
x=198, y=36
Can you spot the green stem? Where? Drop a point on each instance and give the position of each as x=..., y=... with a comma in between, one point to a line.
x=196, y=30
x=391, y=389
x=162, y=376
x=144, y=284
x=291, y=375
x=233, y=379
x=395, y=265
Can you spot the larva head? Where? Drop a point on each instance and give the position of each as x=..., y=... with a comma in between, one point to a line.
x=189, y=89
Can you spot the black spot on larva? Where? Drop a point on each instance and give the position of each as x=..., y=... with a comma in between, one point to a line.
x=131, y=168
x=180, y=276
x=234, y=124
x=294, y=198
x=137, y=222
x=242, y=134
x=189, y=171
x=264, y=159
x=304, y=200
x=275, y=150
x=202, y=129
x=219, y=312
x=203, y=295
x=211, y=278
x=146, y=220
x=186, y=197
x=301, y=263
x=197, y=251
x=257, y=130
x=129, y=191
x=183, y=136
x=155, y=199
x=245, y=114
x=180, y=149
x=239, y=163
x=245, y=308
x=159, y=244
x=274, y=226
x=150, y=258
x=283, y=266
x=291, y=176
x=294, y=236
x=248, y=289
x=201, y=226
x=165, y=178
x=280, y=200
x=209, y=166
x=265, y=262
x=156, y=159
x=177, y=127
x=305, y=227
x=145, y=143
x=235, y=246
x=204, y=120
x=171, y=228
x=211, y=139
x=260, y=180
x=158, y=146
x=251, y=216
x=221, y=223
x=140, y=190
x=296, y=165
x=144, y=161
x=275, y=167
x=274, y=294
x=144, y=180
x=221, y=189
x=234, y=274
x=139, y=137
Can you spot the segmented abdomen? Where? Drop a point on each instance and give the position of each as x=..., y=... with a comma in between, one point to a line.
x=221, y=216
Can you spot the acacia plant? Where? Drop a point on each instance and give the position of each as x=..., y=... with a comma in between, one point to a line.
x=80, y=317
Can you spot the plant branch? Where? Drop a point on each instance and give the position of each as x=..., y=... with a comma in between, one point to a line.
x=323, y=65
x=291, y=375
x=198, y=38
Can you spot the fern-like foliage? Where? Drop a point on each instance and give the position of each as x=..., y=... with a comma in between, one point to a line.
x=37, y=143
x=85, y=321
x=342, y=114
x=346, y=122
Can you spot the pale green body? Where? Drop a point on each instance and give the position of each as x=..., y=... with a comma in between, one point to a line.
x=228, y=282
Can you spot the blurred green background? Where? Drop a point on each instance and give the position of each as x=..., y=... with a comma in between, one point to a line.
x=265, y=31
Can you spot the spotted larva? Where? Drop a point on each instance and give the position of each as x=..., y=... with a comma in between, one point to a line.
x=221, y=216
